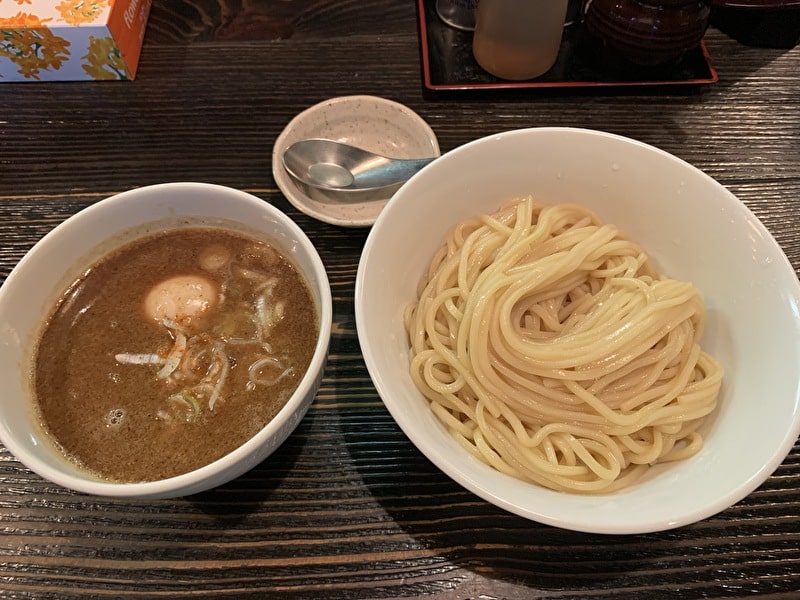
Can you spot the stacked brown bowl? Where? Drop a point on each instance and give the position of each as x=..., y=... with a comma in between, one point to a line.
x=646, y=33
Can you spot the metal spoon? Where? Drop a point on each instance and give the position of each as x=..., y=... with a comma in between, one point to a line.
x=336, y=166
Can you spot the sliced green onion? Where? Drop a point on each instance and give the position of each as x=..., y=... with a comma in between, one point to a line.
x=222, y=376
x=258, y=378
x=183, y=406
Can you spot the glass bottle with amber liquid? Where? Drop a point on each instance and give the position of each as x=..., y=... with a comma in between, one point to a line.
x=518, y=39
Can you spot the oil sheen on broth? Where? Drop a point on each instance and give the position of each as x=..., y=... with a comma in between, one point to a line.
x=171, y=352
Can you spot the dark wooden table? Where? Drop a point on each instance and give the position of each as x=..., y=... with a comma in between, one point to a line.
x=347, y=507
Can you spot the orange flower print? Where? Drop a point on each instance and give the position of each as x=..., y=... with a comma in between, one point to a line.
x=30, y=45
x=22, y=19
x=104, y=60
x=76, y=12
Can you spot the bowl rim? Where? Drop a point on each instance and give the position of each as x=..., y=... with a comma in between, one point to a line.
x=466, y=478
x=287, y=417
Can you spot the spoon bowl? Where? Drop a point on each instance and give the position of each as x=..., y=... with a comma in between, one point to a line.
x=335, y=166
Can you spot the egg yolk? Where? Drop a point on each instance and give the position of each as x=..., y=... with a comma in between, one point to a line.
x=182, y=299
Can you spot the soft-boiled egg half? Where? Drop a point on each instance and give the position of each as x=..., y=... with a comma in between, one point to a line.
x=182, y=299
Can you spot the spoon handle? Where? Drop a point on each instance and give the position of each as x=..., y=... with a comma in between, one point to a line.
x=390, y=172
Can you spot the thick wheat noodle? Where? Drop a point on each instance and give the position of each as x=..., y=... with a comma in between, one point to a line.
x=552, y=350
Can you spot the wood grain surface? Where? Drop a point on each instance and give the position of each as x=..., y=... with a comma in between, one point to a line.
x=347, y=507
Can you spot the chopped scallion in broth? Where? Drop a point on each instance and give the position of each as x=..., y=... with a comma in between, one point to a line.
x=172, y=351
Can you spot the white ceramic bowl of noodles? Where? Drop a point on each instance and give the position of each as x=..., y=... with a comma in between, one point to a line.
x=27, y=296
x=695, y=230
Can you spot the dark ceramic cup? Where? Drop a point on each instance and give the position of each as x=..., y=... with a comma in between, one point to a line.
x=647, y=32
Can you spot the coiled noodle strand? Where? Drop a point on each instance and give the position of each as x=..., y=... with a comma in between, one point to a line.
x=552, y=350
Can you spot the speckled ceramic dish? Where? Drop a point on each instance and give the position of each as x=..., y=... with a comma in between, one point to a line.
x=373, y=123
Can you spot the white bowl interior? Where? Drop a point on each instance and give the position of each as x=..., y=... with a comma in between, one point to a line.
x=28, y=294
x=370, y=122
x=693, y=227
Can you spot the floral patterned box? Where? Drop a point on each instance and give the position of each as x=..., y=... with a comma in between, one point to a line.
x=69, y=40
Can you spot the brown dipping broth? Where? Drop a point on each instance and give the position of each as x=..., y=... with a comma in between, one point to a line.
x=124, y=422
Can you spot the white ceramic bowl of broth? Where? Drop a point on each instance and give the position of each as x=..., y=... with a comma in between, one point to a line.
x=28, y=295
x=694, y=229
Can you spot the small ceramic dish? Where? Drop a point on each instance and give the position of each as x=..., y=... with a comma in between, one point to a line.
x=370, y=122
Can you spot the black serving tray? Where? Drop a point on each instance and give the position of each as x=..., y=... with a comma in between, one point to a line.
x=448, y=64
